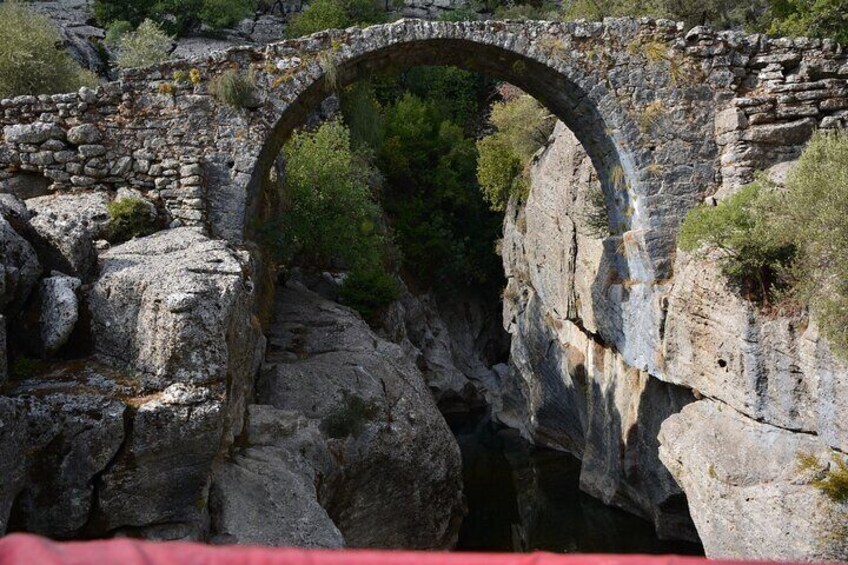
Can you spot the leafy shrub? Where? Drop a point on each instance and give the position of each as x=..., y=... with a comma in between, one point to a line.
x=812, y=215
x=177, y=16
x=523, y=126
x=500, y=172
x=147, y=45
x=334, y=14
x=835, y=483
x=225, y=13
x=30, y=60
x=754, y=254
x=525, y=123
x=529, y=11
x=831, y=480
x=349, y=418
x=812, y=18
x=129, y=218
x=369, y=290
x=331, y=217
x=595, y=215
x=460, y=14
x=115, y=31
x=236, y=89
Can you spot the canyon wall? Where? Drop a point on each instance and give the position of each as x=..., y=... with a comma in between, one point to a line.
x=718, y=433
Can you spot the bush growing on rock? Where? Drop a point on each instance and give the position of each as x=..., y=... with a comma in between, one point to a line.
x=812, y=215
x=754, y=254
x=369, y=290
x=796, y=237
x=810, y=18
x=31, y=61
x=129, y=218
x=349, y=418
x=236, y=89
x=147, y=45
x=522, y=127
x=335, y=14
x=177, y=16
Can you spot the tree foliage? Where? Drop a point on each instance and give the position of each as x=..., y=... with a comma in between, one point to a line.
x=813, y=215
x=796, y=237
x=331, y=216
x=31, y=59
x=522, y=127
x=175, y=16
x=147, y=45
x=812, y=18
x=334, y=14
x=754, y=254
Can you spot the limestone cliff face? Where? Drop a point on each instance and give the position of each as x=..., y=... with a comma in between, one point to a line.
x=639, y=433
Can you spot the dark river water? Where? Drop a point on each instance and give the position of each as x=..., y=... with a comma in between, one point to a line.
x=522, y=498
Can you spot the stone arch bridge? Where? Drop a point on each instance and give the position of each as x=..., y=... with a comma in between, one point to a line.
x=667, y=117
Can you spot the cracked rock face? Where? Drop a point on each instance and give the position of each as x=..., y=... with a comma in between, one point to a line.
x=748, y=492
x=267, y=493
x=162, y=473
x=68, y=428
x=66, y=226
x=19, y=269
x=567, y=389
x=771, y=368
x=59, y=310
x=384, y=464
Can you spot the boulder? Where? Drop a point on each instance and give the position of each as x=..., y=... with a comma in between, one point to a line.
x=176, y=307
x=162, y=475
x=81, y=432
x=399, y=482
x=749, y=486
x=266, y=493
x=19, y=269
x=71, y=428
x=59, y=310
x=67, y=226
x=13, y=446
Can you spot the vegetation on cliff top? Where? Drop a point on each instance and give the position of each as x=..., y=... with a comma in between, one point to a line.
x=32, y=60
x=792, y=239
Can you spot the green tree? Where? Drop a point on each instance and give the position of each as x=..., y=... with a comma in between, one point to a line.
x=31, y=61
x=755, y=255
x=812, y=18
x=522, y=127
x=813, y=216
x=331, y=216
x=335, y=14
x=147, y=45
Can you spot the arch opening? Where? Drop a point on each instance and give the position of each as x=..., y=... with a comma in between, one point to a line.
x=578, y=107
